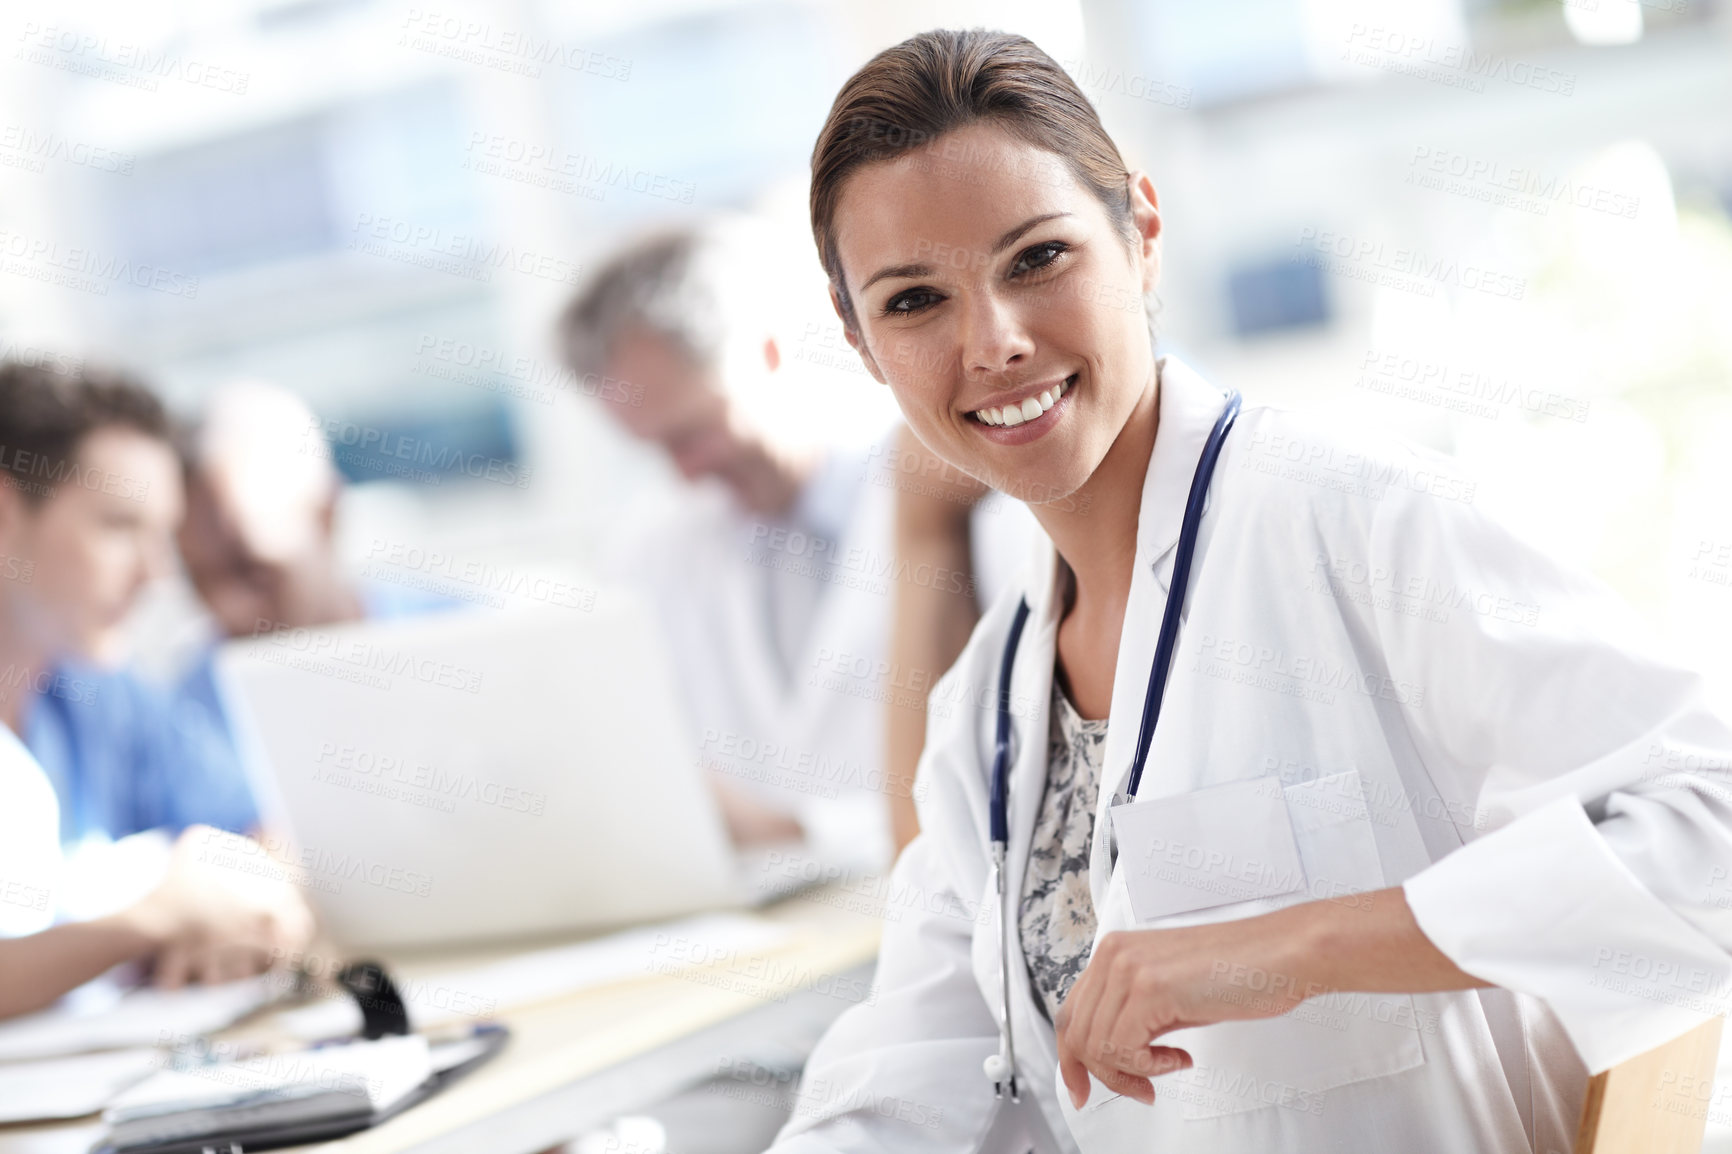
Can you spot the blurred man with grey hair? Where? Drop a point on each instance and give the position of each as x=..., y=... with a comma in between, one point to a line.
x=766, y=566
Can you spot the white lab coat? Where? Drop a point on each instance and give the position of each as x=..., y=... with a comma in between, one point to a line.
x=30, y=863
x=778, y=628
x=1445, y=710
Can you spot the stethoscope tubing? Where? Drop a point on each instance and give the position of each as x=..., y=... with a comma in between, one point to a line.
x=1002, y=1067
x=1187, y=549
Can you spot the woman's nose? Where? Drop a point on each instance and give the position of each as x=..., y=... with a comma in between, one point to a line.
x=994, y=340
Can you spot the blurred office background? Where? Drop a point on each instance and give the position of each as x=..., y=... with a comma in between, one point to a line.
x=1498, y=227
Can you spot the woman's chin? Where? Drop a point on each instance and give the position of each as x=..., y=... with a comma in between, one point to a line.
x=1037, y=487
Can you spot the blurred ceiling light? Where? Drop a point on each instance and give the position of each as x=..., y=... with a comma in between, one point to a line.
x=1603, y=23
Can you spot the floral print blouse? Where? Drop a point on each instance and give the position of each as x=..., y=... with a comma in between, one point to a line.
x=1057, y=914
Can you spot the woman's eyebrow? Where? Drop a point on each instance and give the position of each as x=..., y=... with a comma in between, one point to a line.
x=1016, y=233
x=897, y=270
x=1003, y=242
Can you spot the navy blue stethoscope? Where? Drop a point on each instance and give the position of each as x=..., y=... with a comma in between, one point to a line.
x=1001, y=1067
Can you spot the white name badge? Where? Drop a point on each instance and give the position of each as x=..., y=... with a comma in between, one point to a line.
x=1227, y=843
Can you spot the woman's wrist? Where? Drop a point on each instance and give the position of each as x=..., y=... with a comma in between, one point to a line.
x=1366, y=942
x=1302, y=940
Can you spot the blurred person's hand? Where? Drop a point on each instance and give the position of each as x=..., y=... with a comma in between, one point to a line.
x=752, y=822
x=224, y=911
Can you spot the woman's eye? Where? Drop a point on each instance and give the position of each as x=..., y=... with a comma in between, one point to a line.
x=911, y=301
x=1038, y=257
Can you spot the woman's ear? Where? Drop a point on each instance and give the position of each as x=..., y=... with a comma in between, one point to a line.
x=1146, y=220
x=854, y=339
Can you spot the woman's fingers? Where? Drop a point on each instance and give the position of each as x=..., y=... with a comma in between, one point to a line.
x=1166, y=1060
x=1157, y=1060
x=1096, y=1043
x=1135, y=1078
x=1129, y=1041
x=1129, y=1085
x=1141, y=984
x=1074, y=1018
x=173, y=965
x=1120, y=1004
x=1076, y=1077
x=1084, y=1023
x=1070, y=1067
x=234, y=963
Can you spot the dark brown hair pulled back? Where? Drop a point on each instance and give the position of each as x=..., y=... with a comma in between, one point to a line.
x=908, y=96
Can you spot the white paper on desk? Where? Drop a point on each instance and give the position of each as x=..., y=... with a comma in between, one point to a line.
x=70, y=1087
x=480, y=992
x=382, y=1071
x=141, y=1017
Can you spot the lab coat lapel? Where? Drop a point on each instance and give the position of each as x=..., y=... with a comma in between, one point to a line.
x=1188, y=409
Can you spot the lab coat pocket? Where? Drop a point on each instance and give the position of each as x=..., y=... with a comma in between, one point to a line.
x=1099, y=1095
x=1328, y=1041
x=1104, y=1114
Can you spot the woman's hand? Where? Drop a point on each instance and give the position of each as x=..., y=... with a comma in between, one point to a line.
x=211, y=922
x=1141, y=984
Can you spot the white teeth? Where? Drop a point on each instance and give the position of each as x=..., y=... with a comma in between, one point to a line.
x=1012, y=415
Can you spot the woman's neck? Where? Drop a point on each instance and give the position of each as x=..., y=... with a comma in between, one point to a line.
x=1095, y=533
x=1095, y=530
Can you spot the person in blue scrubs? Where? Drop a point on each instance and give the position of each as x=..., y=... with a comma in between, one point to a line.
x=194, y=924
x=90, y=494
x=125, y=756
x=92, y=470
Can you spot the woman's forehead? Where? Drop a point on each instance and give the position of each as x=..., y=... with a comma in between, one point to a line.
x=967, y=187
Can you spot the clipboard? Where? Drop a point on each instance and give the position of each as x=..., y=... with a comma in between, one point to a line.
x=270, y=1125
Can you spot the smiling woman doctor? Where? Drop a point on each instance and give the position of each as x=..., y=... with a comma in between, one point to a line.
x=1421, y=834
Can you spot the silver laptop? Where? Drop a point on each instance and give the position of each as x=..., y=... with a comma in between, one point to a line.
x=472, y=775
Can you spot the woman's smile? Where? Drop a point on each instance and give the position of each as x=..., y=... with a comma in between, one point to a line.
x=1026, y=415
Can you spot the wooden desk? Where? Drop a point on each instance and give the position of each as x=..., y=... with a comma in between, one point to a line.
x=576, y=1061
